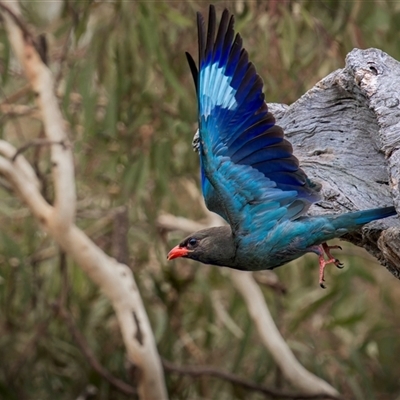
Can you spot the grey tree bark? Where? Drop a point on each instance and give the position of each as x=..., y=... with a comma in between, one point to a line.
x=346, y=133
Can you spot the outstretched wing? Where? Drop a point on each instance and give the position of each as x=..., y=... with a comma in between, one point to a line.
x=249, y=173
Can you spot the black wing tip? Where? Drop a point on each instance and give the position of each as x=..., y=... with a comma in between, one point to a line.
x=206, y=38
x=212, y=22
x=193, y=69
x=211, y=10
x=200, y=34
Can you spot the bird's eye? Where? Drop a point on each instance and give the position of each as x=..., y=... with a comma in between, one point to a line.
x=192, y=241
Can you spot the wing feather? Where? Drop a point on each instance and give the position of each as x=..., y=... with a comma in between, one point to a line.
x=249, y=173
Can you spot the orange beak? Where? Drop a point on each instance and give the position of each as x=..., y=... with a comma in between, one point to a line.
x=177, y=252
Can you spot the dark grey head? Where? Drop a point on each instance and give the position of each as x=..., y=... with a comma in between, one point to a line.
x=210, y=246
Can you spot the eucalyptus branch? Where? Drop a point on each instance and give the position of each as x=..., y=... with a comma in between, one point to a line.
x=115, y=279
x=206, y=370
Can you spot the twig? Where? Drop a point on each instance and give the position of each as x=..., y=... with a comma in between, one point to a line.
x=40, y=48
x=17, y=20
x=224, y=316
x=196, y=371
x=119, y=244
x=170, y=222
x=62, y=310
x=36, y=143
x=12, y=98
x=90, y=357
x=18, y=110
x=63, y=57
x=64, y=279
x=3, y=108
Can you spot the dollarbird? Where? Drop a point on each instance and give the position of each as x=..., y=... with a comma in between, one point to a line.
x=249, y=175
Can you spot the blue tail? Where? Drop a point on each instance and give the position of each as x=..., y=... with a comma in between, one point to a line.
x=359, y=218
x=363, y=217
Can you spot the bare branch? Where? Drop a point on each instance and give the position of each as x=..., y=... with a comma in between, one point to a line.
x=120, y=249
x=18, y=110
x=90, y=357
x=170, y=222
x=223, y=315
x=42, y=82
x=205, y=370
x=63, y=56
x=35, y=143
x=12, y=11
x=13, y=97
x=21, y=175
x=272, y=339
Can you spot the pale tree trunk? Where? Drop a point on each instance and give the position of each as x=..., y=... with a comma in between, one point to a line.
x=58, y=220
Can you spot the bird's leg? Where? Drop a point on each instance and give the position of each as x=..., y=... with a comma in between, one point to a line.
x=320, y=250
x=327, y=249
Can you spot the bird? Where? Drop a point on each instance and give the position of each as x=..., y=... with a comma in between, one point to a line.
x=249, y=175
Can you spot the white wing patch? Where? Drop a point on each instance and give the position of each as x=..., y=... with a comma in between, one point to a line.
x=218, y=87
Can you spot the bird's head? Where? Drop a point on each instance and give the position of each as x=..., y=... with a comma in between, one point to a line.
x=209, y=246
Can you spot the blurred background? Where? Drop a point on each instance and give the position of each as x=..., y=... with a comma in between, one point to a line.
x=127, y=95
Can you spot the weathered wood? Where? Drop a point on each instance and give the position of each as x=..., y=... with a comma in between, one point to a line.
x=346, y=133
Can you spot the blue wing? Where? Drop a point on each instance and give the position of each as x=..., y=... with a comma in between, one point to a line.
x=249, y=173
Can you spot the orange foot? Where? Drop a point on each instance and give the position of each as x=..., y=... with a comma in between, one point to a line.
x=320, y=250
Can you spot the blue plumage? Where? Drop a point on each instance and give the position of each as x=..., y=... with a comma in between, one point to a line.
x=249, y=173
x=235, y=123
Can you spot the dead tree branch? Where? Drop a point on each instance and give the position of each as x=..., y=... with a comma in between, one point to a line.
x=346, y=133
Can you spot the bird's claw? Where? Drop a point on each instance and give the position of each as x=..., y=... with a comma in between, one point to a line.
x=339, y=264
x=324, y=248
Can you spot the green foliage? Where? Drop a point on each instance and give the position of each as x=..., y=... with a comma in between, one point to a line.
x=127, y=95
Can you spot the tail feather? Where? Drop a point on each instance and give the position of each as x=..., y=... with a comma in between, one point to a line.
x=360, y=218
x=364, y=217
